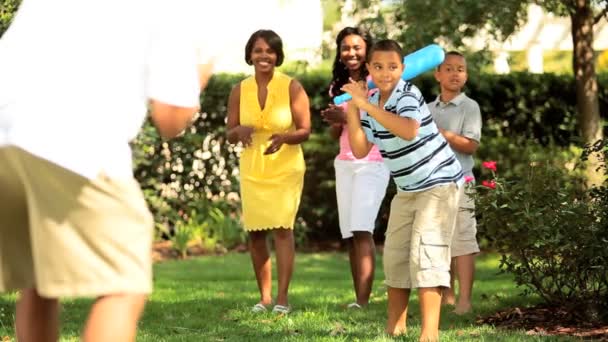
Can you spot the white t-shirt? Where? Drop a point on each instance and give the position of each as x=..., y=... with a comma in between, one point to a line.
x=77, y=77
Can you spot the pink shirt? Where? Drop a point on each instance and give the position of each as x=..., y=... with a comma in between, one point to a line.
x=346, y=153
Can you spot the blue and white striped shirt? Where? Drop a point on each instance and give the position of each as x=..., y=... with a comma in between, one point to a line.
x=422, y=163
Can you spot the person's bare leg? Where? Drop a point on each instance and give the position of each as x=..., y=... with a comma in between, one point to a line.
x=448, y=296
x=430, y=310
x=285, y=251
x=260, y=257
x=398, y=300
x=465, y=270
x=352, y=259
x=37, y=318
x=114, y=318
x=364, y=246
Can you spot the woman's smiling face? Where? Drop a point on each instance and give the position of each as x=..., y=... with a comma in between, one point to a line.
x=263, y=57
x=352, y=52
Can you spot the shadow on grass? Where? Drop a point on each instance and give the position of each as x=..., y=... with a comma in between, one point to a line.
x=209, y=299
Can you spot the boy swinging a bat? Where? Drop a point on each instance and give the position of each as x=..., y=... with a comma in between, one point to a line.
x=428, y=178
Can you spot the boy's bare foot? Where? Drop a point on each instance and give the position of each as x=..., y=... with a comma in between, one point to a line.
x=448, y=297
x=462, y=309
x=395, y=332
x=428, y=338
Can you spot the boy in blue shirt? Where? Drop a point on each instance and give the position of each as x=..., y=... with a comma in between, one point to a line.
x=428, y=177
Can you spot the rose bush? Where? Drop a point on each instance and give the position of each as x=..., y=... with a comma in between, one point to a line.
x=552, y=233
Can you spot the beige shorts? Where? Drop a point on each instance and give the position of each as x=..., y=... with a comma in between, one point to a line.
x=68, y=236
x=418, y=237
x=464, y=240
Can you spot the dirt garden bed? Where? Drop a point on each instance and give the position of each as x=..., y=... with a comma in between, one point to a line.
x=545, y=320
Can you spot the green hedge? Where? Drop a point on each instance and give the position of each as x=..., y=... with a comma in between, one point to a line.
x=523, y=115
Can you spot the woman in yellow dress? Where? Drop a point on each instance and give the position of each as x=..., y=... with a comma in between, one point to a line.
x=269, y=114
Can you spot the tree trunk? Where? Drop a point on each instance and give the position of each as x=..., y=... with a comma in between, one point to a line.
x=587, y=104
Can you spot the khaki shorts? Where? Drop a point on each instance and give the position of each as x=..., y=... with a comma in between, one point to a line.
x=418, y=237
x=68, y=236
x=464, y=240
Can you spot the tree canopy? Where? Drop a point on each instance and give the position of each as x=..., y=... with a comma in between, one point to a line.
x=419, y=22
x=7, y=10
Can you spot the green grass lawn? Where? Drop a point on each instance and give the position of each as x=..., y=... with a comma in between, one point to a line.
x=209, y=298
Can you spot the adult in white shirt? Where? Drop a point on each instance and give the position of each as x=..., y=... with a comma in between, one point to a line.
x=78, y=78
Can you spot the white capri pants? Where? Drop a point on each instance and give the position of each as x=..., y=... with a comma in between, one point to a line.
x=360, y=189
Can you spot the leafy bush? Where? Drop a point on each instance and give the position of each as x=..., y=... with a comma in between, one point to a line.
x=182, y=237
x=7, y=12
x=552, y=233
x=525, y=116
x=211, y=229
x=225, y=229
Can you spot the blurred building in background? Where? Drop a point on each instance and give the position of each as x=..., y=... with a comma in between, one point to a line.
x=298, y=22
x=543, y=34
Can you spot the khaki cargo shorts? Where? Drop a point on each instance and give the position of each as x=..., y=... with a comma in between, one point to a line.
x=464, y=240
x=68, y=236
x=418, y=237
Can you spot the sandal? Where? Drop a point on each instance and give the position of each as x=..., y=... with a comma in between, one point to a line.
x=259, y=307
x=281, y=309
x=354, y=306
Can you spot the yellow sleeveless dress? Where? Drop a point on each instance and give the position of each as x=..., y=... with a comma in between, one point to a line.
x=271, y=185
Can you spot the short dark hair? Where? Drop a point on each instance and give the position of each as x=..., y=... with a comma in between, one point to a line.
x=340, y=72
x=450, y=53
x=385, y=45
x=271, y=38
x=454, y=53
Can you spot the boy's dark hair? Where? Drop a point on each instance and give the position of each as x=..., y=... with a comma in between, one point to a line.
x=454, y=53
x=451, y=53
x=340, y=75
x=271, y=38
x=386, y=45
